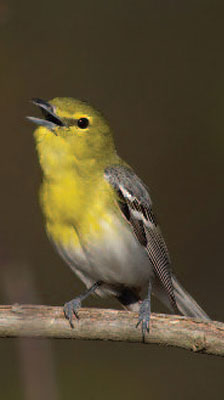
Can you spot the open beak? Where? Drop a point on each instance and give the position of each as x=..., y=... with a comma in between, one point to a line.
x=51, y=120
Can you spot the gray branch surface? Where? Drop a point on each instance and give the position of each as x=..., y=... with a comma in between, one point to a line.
x=114, y=325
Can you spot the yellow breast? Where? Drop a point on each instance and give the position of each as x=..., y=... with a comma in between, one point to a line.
x=75, y=197
x=74, y=204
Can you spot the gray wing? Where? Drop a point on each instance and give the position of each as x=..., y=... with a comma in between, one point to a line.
x=135, y=204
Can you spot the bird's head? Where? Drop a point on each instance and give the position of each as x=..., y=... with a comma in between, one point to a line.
x=71, y=129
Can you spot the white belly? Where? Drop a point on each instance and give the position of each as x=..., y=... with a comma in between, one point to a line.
x=117, y=259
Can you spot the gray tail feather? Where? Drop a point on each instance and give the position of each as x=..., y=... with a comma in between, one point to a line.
x=185, y=303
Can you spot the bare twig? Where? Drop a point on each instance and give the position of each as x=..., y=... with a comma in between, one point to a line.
x=114, y=325
x=35, y=357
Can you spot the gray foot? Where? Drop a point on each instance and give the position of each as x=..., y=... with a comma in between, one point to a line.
x=144, y=316
x=71, y=308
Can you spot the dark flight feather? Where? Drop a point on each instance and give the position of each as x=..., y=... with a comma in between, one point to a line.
x=136, y=206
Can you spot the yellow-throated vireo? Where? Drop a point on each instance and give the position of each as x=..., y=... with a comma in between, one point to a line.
x=99, y=213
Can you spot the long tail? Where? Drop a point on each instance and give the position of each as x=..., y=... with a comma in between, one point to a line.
x=186, y=304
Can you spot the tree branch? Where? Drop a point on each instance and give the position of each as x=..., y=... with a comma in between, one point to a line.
x=103, y=324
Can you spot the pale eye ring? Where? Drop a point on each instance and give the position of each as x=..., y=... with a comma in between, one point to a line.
x=83, y=123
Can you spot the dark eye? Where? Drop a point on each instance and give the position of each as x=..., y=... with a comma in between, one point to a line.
x=83, y=123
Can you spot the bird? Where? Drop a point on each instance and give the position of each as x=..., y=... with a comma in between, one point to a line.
x=98, y=214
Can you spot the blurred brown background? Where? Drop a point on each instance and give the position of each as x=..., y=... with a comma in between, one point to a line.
x=155, y=68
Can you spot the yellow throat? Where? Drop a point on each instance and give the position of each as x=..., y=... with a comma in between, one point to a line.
x=75, y=145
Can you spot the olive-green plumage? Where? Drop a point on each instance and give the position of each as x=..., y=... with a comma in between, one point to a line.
x=73, y=160
x=99, y=214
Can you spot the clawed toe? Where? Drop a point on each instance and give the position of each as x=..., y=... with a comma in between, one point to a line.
x=70, y=308
x=73, y=306
x=144, y=316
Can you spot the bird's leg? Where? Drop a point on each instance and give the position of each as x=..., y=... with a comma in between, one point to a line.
x=73, y=306
x=145, y=312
